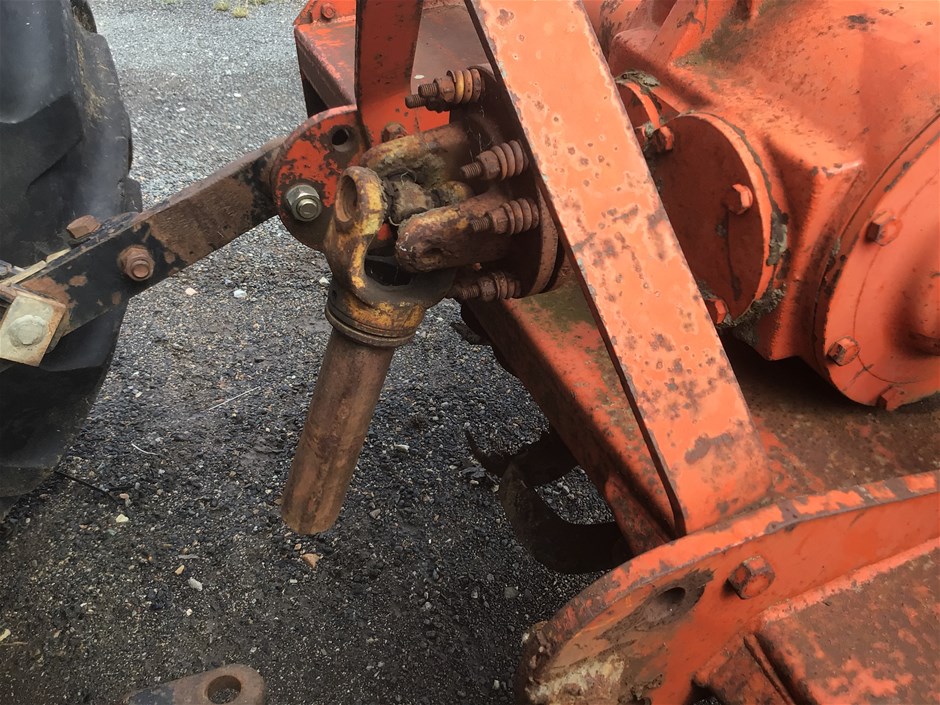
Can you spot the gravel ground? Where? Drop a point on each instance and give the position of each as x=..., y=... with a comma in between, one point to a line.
x=421, y=594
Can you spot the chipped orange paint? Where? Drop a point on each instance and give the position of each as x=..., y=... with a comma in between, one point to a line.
x=812, y=543
x=840, y=144
x=644, y=298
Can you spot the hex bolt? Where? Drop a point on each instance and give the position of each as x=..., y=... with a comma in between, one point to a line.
x=752, y=577
x=882, y=229
x=891, y=398
x=304, y=202
x=739, y=199
x=458, y=87
x=663, y=139
x=489, y=286
x=83, y=226
x=510, y=218
x=136, y=263
x=393, y=131
x=500, y=162
x=27, y=331
x=717, y=309
x=327, y=11
x=843, y=351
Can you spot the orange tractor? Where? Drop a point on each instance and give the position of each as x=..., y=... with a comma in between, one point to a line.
x=638, y=203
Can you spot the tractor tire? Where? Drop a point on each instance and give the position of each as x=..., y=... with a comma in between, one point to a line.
x=65, y=151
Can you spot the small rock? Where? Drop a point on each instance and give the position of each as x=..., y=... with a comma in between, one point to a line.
x=121, y=519
x=311, y=559
x=403, y=447
x=189, y=613
x=190, y=291
x=194, y=584
x=240, y=294
x=324, y=281
x=179, y=571
x=511, y=593
x=375, y=513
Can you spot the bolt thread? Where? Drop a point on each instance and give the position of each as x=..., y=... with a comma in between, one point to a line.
x=458, y=87
x=482, y=224
x=488, y=287
x=414, y=101
x=500, y=162
x=473, y=170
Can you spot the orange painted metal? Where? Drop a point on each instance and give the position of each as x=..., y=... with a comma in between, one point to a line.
x=805, y=208
x=667, y=619
x=317, y=153
x=643, y=296
x=829, y=110
x=386, y=37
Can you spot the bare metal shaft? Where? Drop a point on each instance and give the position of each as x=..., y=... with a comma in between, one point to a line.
x=344, y=399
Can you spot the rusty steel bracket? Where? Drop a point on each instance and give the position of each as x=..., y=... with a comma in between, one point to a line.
x=235, y=684
x=128, y=254
x=631, y=268
x=553, y=541
x=673, y=617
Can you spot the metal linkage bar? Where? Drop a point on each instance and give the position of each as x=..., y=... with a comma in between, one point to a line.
x=642, y=294
x=130, y=253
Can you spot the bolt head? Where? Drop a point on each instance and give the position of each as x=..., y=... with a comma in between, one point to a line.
x=327, y=11
x=27, y=331
x=304, y=202
x=717, y=309
x=843, y=351
x=663, y=139
x=751, y=577
x=882, y=229
x=891, y=398
x=80, y=227
x=739, y=199
x=393, y=131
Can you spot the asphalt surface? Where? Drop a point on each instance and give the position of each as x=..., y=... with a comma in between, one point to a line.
x=420, y=595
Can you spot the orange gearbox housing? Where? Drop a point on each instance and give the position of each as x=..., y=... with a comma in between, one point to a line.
x=795, y=147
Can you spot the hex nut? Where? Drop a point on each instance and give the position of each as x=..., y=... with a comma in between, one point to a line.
x=891, y=398
x=304, y=202
x=393, y=131
x=843, y=351
x=327, y=11
x=136, y=263
x=27, y=330
x=717, y=309
x=752, y=577
x=882, y=229
x=81, y=227
x=663, y=139
x=739, y=200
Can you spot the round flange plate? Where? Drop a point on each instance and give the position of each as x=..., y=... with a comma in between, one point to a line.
x=878, y=319
x=719, y=205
